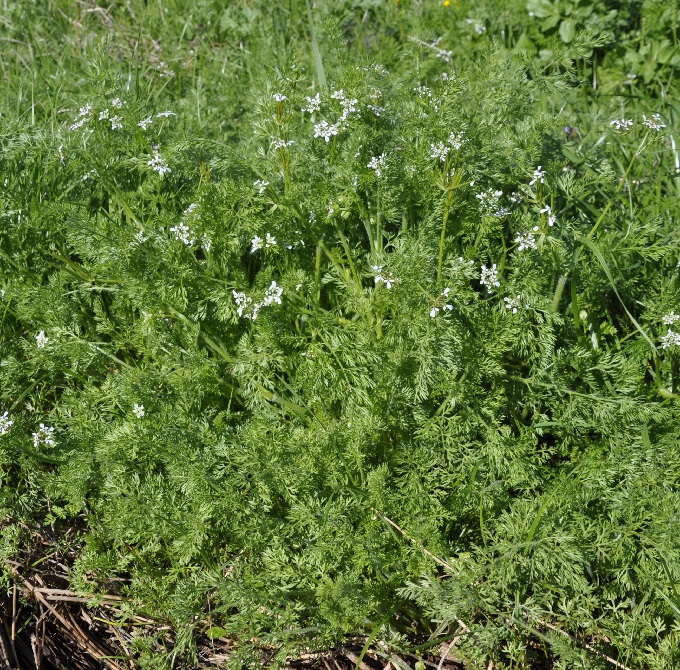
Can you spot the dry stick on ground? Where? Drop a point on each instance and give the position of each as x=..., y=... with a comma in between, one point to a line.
x=74, y=630
x=443, y=563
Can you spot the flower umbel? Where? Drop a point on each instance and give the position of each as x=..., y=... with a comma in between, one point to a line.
x=41, y=339
x=489, y=278
x=158, y=164
x=43, y=436
x=5, y=423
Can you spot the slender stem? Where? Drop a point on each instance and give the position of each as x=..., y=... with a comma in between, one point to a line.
x=447, y=208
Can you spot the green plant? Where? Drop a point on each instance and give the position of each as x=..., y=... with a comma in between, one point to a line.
x=306, y=320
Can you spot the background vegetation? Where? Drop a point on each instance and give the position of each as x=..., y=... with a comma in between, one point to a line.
x=349, y=317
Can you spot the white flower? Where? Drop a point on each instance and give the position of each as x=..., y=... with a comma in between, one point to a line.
x=538, y=176
x=376, y=109
x=190, y=210
x=434, y=311
x=313, y=104
x=104, y=115
x=41, y=339
x=654, y=123
x=456, y=140
x=279, y=97
x=117, y=103
x=624, y=125
x=489, y=277
x=439, y=151
x=117, y=124
x=551, y=217
x=670, y=339
x=270, y=240
x=166, y=114
x=243, y=303
x=78, y=124
x=282, y=144
x=671, y=318
x=516, y=197
x=273, y=294
x=206, y=241
x=184, y=234
x=526, y=240
x=138, y=410
x=5, y=423
x=423, y=92
x=349, y=105
x=387, y=278
x=480, y=28
x=157, y=164
x=325, y=130
x=144, y=123
x=140, y=238
x=260, y=185
x=255, y=244
x=377, y=163
x=512, y=303
x=62, y=158
x=43, y=436
x=489, y=202
x=82, y=117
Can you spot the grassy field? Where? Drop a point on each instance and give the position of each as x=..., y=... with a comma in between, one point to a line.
x=347, y=326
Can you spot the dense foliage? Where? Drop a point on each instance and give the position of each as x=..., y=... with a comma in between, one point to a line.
x=350, y=317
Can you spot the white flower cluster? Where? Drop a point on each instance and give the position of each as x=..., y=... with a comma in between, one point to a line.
x=377, y=163
x=313, y=104
x=349, y=105
x=551, y=217
x=423, y=92
x=282, y=144
x=279, y=97
x=538, y=176
x=158, y=164
x=249, y=309
x=376, y=109
x=41, y=339
x=182, y=231
x=138, y=410
x=489, y=201
x=325, y=130
x=512, y=303
x=5, y=423
x=257, y=242
x=184, y=234
x=670, y=339
x=654, y=123
x=624, y=125
x=489, y=277
x=386, y=278
x=479, y=27
x=447, y=307
x=145, y=123
x=260, y=185
x=525, y=240
x=43, y=436
x=82, y=118
x=671, y=318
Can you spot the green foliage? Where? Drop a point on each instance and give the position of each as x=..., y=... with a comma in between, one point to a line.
x=442, y=295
